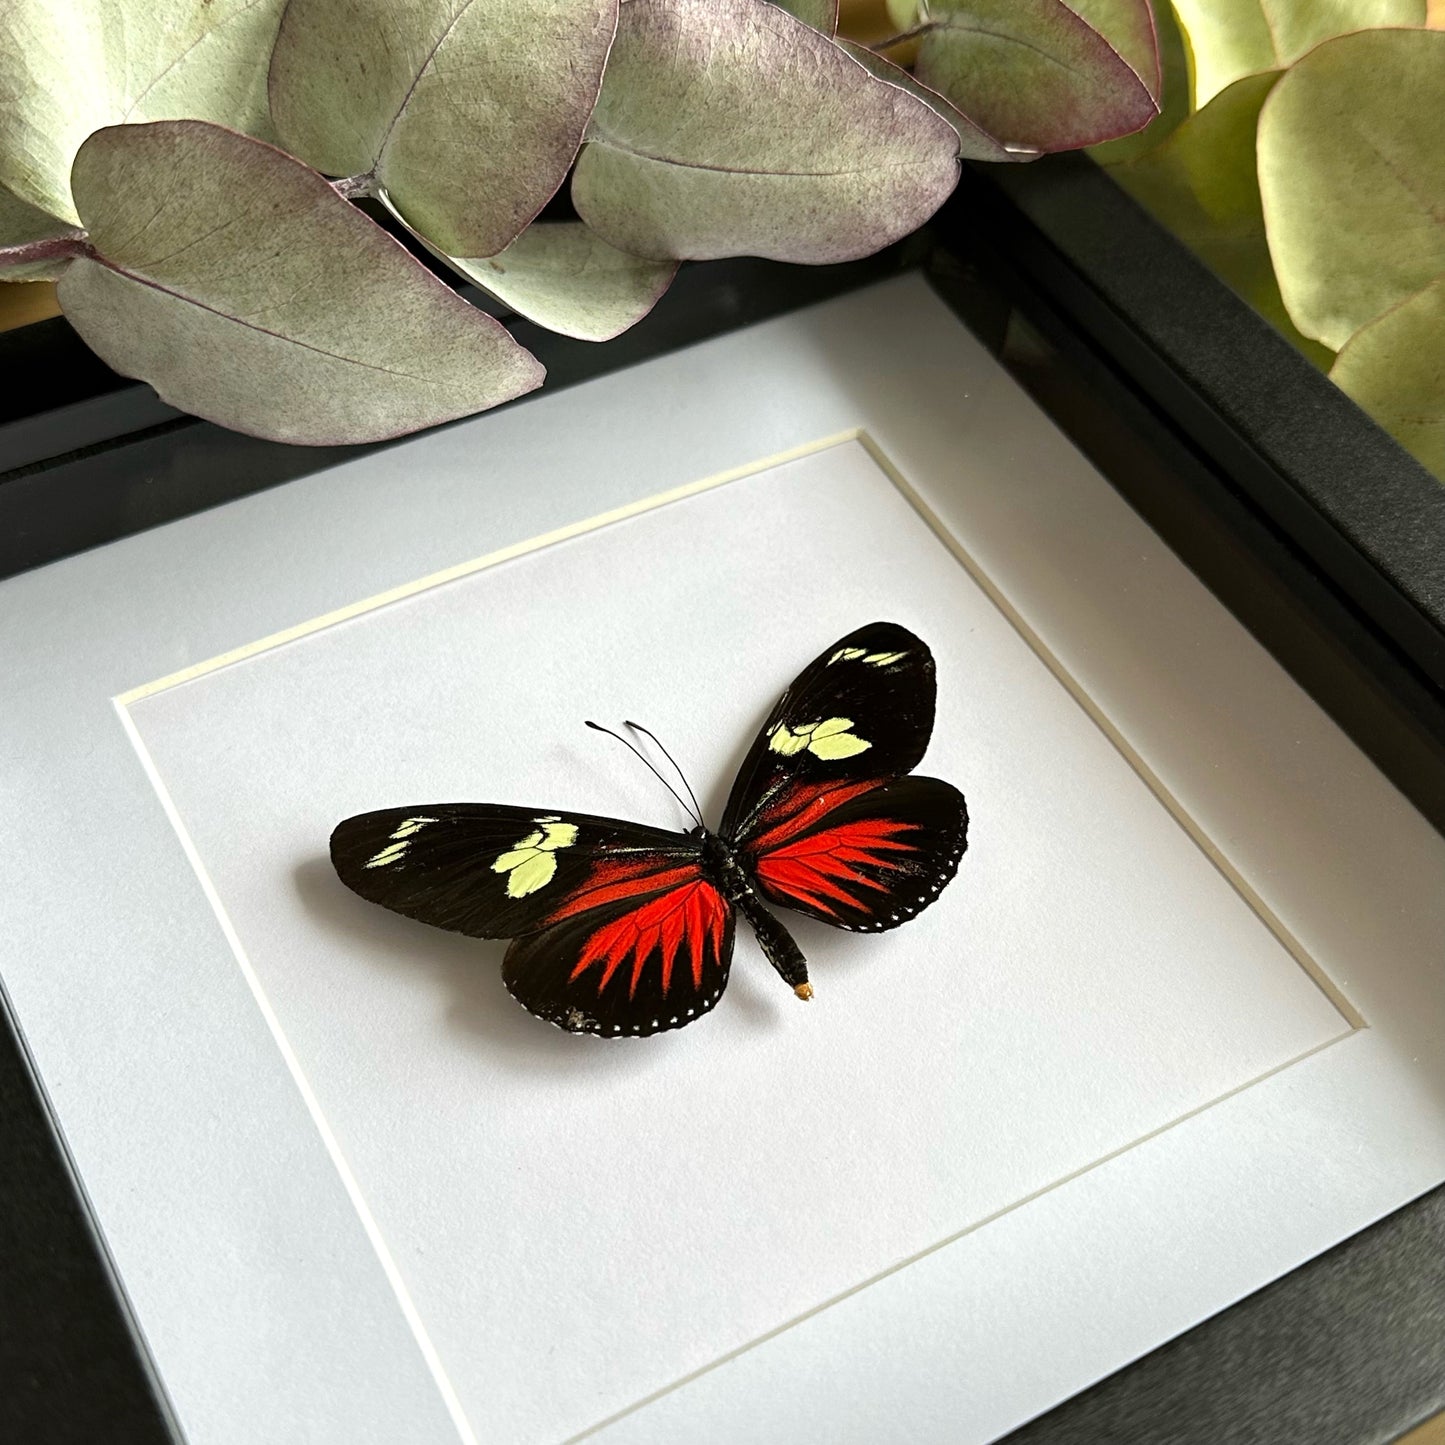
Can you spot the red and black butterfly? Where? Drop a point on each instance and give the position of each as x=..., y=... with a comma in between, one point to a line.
x=621, y=929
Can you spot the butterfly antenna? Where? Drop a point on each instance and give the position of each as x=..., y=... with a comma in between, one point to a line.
x=597, y=727
x=647, y=732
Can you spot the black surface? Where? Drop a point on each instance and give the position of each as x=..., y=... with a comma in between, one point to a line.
x=1368, y=515
x=1349, y=1350
x=71, y=1366
x=1312, y=526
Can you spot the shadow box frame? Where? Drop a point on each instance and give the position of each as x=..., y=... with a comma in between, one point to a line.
x=1313, y=527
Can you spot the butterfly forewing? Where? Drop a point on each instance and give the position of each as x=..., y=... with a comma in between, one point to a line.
x=860, y=711
x=492, y=871
x=861, y=856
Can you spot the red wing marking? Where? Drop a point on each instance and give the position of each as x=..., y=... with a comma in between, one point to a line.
x=816, y=868
x=612, y=880
x=800, y=806
x=695, y=912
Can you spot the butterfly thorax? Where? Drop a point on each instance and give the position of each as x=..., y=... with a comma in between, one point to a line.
x=723, y=870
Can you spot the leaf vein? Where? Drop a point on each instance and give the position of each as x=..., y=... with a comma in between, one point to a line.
x=421, y=70
x=204, y=35
x=263, y=330
x=597, y=138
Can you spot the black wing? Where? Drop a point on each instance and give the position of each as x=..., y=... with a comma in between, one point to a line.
x=492, y=871
x=862, y=711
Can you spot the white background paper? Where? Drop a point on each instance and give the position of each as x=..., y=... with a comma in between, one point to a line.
x=580, y=1222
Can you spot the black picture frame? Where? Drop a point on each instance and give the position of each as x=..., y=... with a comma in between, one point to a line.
x=1320, y=533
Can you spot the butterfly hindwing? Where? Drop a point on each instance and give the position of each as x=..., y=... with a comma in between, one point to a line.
x=861, y=856
x=860, y=711
x=491, y=871
x=644, y=961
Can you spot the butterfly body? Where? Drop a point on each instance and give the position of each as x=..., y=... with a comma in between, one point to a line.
x=721, y=867
x=620, y=929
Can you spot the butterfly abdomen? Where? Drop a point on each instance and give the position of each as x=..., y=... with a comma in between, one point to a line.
x=779, y=946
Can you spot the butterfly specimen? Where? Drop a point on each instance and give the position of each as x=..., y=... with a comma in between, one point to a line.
x=622, y=929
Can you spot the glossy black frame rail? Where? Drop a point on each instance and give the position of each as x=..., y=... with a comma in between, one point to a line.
x=1318, y=532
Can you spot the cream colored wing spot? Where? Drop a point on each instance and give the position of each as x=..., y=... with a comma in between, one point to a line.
x=787, y=741
x=408, y=826
x=882, y=659
x=390, y=854
x=531, y=861
x=847, y=654
x=830, y=739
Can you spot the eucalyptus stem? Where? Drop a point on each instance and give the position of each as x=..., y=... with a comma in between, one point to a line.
x=48, y=248
x=353, y=188
x=917, y=33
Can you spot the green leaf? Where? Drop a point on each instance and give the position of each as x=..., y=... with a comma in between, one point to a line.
x=1201, y=183
x=1033, y=73
x=20, y=223
x=1395, y=369
x=1352, y=172
x=244, y=289
x=467, y=112
x=565, y=277
x=1173, y=93
x=68, y=67
x=1234, y=38
x=820, y=14
x=904, y=14
x=974, y=143
x=727, y=127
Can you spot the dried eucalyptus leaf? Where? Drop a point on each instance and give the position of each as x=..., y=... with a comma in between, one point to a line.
x=1201, y=182
x=1033, y=73
x=820, y=14
x=1352, y=172
x=1129, y=26
x=1173, y=95
x=728, y=127
x=1395, y=369
x=68, y=67
x=21, y=222
x=468, y=112
x=1234, y=38
x=565, y=277
x=244, y=289
x=974, y=143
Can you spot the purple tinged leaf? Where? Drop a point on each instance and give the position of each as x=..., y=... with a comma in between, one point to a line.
x=21, y=224
x=238, y=283
x=564, y=277
x=728, y=127
x=1131, y=28
x=468, y=112
x=1034, y=73
x=974, y=143
x=820, y=14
